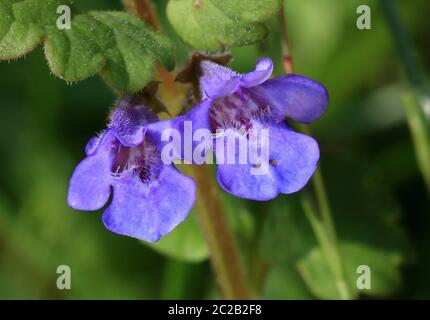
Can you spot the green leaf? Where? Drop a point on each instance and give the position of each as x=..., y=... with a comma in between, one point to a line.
x=184, y=243
x=283, y=281
x=22, y=25
x=384, y=268
x=214, y=25
x=248, y=10
x=119, y=46
x=367, y=223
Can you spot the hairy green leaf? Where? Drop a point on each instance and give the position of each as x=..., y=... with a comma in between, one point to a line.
x=119, y=46
x=214, y=25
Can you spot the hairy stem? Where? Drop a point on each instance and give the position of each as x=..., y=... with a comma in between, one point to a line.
x=222, y=246
x=287, y=58
x=322, y=226
x=143, y=9
x=223, y=250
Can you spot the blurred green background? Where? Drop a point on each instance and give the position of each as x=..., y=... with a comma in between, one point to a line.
x=377, y=194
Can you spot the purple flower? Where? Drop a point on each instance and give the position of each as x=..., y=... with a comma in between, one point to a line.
x=249, y=102
x=149, y=198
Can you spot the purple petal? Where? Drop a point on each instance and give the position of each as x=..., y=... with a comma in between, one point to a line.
x=129, y=120
x=148, y=211
x=293, y=96
x=196, y=119
x=219, y=88
x=214, y=71
x=156, y=129
x=296, y=155
x=89, y=187
x=198, y=116
x=292, y=161
x=93, y=144
x=263, y=70
x=217, y=81
x=163, y=133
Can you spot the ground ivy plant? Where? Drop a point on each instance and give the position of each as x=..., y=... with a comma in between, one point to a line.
x=124, y=171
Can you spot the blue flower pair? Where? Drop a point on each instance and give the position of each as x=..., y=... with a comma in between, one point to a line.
x=150, y=198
